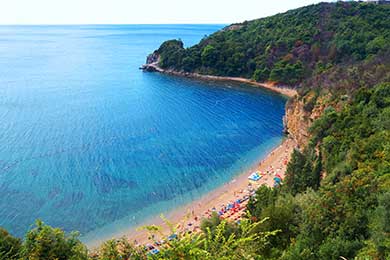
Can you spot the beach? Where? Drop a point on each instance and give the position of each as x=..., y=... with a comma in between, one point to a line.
x=188, y=217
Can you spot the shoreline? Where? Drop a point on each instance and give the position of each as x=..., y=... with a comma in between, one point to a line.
x=274, y=162
x=286, y=91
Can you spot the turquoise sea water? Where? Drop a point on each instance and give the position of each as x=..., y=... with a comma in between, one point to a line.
x=90, y=143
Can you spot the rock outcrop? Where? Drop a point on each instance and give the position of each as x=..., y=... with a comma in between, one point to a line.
x=300, y=116
x=296, y=122
x=151, y=63
x=153, y=58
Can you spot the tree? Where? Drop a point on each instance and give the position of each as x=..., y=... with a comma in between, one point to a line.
x=380, y=227
x=209, y=56
x=295, y=173
x=45, y=242
x=171, y=53
x=377, y=44
x=261, y=75
x=9, y=246
x=265, y=197
x=216, y=245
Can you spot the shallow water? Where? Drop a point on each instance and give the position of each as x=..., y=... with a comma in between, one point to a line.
x=90, y=143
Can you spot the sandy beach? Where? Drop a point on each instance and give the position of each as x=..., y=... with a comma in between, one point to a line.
x=189, y=216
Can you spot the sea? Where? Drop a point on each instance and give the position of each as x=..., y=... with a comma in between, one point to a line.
x=89, y=142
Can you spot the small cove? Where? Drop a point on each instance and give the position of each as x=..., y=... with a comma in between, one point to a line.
x=90, y=143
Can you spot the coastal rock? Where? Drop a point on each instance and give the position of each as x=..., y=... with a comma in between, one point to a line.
x=302, y=52
x=296, y=122
x=299, y=117
x=152, y=58
x=148, y=68
x=233, y=27
x=151, y=62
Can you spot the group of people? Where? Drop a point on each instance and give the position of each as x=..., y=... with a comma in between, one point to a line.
x=234, y=210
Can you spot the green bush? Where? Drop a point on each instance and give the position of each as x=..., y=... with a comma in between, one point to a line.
x=9, y=246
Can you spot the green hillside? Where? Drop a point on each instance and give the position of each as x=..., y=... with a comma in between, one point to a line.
x=287, y=47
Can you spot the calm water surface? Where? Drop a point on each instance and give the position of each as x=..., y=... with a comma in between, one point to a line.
x=90, y=143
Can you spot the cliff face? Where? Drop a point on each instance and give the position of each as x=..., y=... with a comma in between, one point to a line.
x=153, y=58
x=300, y=115
x=296, y=123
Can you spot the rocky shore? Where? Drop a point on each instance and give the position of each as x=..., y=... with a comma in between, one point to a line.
x=153, y=67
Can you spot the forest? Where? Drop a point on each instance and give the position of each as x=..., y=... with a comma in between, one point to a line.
x=286, y=48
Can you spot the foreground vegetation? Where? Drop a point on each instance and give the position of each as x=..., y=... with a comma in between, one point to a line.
x=335, y=199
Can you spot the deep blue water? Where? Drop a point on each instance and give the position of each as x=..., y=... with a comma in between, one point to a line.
x=90, y=143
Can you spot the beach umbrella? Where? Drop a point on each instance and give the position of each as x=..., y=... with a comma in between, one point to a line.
x=154, y=251
x=149, y=247
x=277, y=179
x=254, y=177
x=171, y=237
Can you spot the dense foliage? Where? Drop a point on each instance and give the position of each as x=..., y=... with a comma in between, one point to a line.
x=42, y=242
x=9, y=246
x=348, y=214
x=288, y=47
x=216, y=242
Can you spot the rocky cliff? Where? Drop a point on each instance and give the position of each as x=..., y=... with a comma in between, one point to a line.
x=296, y=123
x=301, y=112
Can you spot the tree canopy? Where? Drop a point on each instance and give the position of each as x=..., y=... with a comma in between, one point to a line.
x=288, y=47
